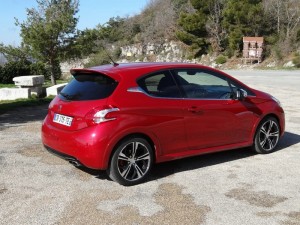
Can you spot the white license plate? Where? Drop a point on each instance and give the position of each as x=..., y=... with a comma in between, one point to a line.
x=61, y=119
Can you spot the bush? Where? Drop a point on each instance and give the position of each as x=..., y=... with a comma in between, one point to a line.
x=13, y=69
x=117, y=53
x=221, y=59
x=98, y=59
x=21, y=68
x=296, y=60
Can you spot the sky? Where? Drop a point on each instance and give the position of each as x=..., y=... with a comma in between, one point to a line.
x=91, y=13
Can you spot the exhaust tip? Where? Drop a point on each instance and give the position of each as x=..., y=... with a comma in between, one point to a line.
x=75, y=163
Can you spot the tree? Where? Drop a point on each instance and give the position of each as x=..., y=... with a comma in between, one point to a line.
x=242, y=18
x=214, y=26
x=157, y=22
x=193, y=27
x=49, y=31
x=287, y=14
x=285, y=20
x=12, y=53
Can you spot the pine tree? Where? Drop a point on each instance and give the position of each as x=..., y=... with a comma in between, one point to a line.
x=49, y=31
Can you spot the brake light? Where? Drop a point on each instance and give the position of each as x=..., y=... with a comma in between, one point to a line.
x=97, y=116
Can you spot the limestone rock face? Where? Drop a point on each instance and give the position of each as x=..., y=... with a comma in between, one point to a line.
x=170, y=51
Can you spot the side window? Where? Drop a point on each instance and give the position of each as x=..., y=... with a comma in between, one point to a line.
x=160, y=84
x=203, y=84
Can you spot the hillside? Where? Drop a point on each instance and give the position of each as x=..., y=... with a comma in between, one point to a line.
x=197, y=31
x=183, y=30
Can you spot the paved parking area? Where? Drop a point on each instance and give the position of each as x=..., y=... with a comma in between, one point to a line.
x=233, y=187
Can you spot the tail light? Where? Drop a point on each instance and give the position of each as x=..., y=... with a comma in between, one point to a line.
x=101, y=115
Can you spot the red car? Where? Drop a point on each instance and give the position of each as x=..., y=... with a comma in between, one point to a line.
x=124, y=118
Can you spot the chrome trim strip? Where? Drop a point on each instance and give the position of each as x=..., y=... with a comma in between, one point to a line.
x=140, y=90
x=136, y=89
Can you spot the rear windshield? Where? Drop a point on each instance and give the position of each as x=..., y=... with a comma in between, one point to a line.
x=88, y=87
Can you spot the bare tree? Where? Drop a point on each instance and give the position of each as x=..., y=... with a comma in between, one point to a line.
x=274, y=7
x=287, y=14
x=213, y=25
x=291, y=10
x=159, y=21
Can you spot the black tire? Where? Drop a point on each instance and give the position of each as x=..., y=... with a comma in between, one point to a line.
x=266, y=136
x=131, y=161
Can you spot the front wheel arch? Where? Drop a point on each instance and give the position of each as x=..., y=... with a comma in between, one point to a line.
x=256, y=144
x=262, y=119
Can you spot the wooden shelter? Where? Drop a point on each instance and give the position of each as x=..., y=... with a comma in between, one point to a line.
x=253, y=49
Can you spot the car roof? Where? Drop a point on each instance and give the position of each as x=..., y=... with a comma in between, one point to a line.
x=142, y=65
x=127, y=68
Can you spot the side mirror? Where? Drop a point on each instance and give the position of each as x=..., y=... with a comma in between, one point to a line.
x=240, y=94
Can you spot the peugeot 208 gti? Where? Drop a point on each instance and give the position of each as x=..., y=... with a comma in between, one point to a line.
x=125, y=118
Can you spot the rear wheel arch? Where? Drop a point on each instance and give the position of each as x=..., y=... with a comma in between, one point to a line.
x=128, y=166
x=130, y=136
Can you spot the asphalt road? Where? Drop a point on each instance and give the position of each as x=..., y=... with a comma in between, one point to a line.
x=229, y=188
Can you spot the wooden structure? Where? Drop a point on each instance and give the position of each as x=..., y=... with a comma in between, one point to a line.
x=253, y=49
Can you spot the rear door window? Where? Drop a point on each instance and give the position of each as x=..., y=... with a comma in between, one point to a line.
x=160, y=84
x=88, y=87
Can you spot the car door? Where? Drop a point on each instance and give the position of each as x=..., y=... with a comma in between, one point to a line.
x=161, y=104
x=212, y=116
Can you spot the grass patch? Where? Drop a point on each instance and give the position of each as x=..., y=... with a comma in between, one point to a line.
x=48, y=83
x=8, y=105
x=7, y=85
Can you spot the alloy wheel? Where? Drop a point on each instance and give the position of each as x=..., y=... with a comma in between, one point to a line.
x=134, y=161
x=268, y=135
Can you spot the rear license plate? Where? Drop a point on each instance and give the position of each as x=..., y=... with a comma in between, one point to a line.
x=61, y=119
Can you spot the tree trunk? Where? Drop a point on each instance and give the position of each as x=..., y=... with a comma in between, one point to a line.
x=53, y=81
x=52, y=68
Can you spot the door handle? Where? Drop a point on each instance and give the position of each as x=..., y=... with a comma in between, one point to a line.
x=195, y=109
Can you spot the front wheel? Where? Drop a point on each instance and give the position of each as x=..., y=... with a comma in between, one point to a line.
x=267, y=136
x=131, y=161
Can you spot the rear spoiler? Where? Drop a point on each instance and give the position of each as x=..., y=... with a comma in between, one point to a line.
x=76, y=71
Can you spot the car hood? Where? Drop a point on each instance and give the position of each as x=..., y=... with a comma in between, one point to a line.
x=260, y=97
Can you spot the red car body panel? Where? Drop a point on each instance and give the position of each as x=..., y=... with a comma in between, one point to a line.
x=177, y=128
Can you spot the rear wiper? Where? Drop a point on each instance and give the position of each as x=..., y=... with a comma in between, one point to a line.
x=68, y=97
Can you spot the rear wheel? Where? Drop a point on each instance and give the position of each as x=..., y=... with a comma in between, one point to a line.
x=267, y=136
x=131, y=161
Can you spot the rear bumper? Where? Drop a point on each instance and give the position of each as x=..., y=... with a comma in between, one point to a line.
x=66, y=157
x=86, y=147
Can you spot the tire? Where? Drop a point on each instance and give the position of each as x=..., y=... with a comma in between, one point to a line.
x=266, y=136
x=131, y=161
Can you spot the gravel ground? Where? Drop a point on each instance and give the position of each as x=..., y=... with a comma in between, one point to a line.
x=233, y=187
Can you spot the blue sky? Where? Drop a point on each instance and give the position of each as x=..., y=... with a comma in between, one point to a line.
x=91, y=13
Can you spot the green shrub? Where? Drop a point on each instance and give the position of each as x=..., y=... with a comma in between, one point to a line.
x=21, y=68
x=117, y=53
x=221, y=59
x=13, y=69
x=296, y=60
x=97, y=59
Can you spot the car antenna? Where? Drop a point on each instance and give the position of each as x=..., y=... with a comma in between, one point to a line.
x=114, y=63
